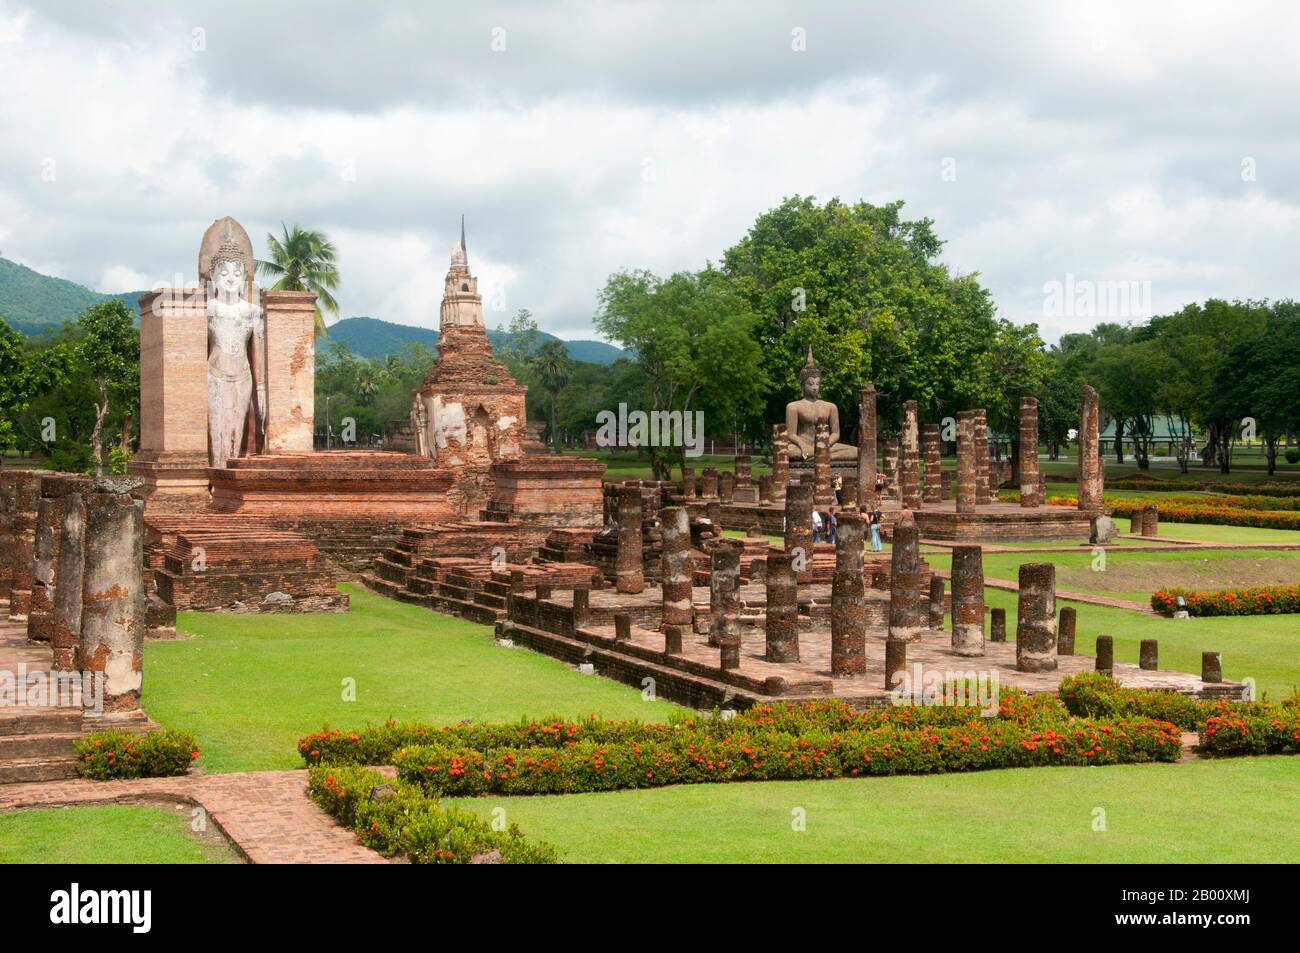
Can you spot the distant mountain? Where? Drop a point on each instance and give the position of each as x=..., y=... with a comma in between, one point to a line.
x=36, y=304
x=371, y=337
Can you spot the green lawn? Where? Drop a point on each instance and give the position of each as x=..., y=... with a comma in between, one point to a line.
x=1202, y=812
x=249, y=686
x=1211, y=533
x=109, y=834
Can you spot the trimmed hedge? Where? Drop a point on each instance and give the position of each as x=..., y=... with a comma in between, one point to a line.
x=1275, y=730
x=1212, y=513
x=410, y=825
x=116, y=755
x=778, y=756
x=1257, y=600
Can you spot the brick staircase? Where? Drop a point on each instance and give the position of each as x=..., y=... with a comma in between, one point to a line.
x=37, y=742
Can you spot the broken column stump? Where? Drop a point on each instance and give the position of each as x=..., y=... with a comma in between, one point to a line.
x=968, y=602
x=782, y=610
x=629, y=571
x=65, y=617
x=675, y=532
x=1036, y=618
x=1065, y=631
x=113, y=593
x=908, y=612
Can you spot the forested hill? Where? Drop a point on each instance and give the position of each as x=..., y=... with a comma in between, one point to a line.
x=370, y=337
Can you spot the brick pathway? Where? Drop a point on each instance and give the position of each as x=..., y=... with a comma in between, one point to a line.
x=267, y=814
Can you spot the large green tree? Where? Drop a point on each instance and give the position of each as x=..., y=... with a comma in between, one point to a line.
x=304, y=260
x=696, y=347
x=109, y=352
x=553, y=367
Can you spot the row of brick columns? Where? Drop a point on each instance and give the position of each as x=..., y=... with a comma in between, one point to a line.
x=75, y=573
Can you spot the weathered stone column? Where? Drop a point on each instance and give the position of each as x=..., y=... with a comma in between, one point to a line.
x=1036, y=618
x=985, y=486
x=823, y=491
x=1149, y=655
x=997, y=625
x=798, y=527
x=1151, y=520
x=672, y=640
x=676, y=532
x=1065, y=631
x=947, y=483
x=1030, y=486
x=724, y=584
x=891, y=467
x=910, y=458
x=1211, y=667
x=729, y=641
x=933, y=489
x=908, y=616
x=629, y=570
x=765, y=485
x=780, y=462
x=709, y=483
x=867, y=498
x=895, y=661
x=1105, y=654
x=24, y=490
x=688, y=482
x=848, y=601
x=744, y=491
x=48, y=512
x=1091, y=471
x=967, y=481
x=65, y=618
x=936, y=601
x=112, y=594
x=782, y=610
x=968, y=602
x=726, y=486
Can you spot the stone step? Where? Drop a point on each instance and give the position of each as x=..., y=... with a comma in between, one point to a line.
x=37, y=769
x=34, y=721
x=36, y=747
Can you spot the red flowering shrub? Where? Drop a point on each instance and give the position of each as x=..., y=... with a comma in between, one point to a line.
x=115, y=755
x=1273, y=730
x=413, y=826
x=1257, y=600
x=1220, y=512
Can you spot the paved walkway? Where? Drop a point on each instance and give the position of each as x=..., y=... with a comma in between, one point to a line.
x=267, y=814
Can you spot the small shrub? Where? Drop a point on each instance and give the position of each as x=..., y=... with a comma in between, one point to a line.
x=1275, y=730
x=116, y=755
x=1293, y=455
x=1257, y=600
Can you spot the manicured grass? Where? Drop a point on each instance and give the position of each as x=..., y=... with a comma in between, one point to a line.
x=110, y=834
x=1212, y=533
x=249, y=686
x=1203, y=812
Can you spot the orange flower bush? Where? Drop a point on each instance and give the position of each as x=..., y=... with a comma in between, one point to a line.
x=1257, y=600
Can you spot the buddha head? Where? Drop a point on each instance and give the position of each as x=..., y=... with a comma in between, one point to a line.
x=227, y=277
x=810, y=377
x=226, y=260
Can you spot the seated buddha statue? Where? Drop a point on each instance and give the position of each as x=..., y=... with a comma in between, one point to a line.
x=802, y=417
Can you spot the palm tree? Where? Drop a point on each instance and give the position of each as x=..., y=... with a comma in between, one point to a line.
x=304, y=261
x=553, y=365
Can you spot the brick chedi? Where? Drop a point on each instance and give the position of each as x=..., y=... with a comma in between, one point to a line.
x=469, y=412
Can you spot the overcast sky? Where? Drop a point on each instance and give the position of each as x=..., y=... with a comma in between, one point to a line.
x=1092, y=142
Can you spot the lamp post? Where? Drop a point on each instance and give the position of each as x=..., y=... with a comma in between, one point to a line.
x=328, y=430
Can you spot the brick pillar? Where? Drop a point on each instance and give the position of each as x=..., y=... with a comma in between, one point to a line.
x=744, y=471
x=910, y=458
x=729, y=641
x=908, y=615
x=798, y=525
x=709, y=483
x=113, y=593
x=688, y=483
x=1036, y=618
x=823, y=491
x=849, y=490
x=780, y=462
x=45, y=537
x=895, y=661
x=629, y=571
x=848, y=601
x=1091, y=471
x=936, y=601
x=1065, y=631
x=891, y=466
x=933, y=489
x=290, y=370
x=867, y=498
x=26, y=496
x=726, y=486
x=967, y=482
x=997, y=625
x=984, y=483
x=1211, y=667
x=65, y=617
x=676, y=533
x=724, y=583
x=1030, y=486
x=782, y=610
x=1149, y=655
x=1151, y=520
x=968, y=601
x=765, y=488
